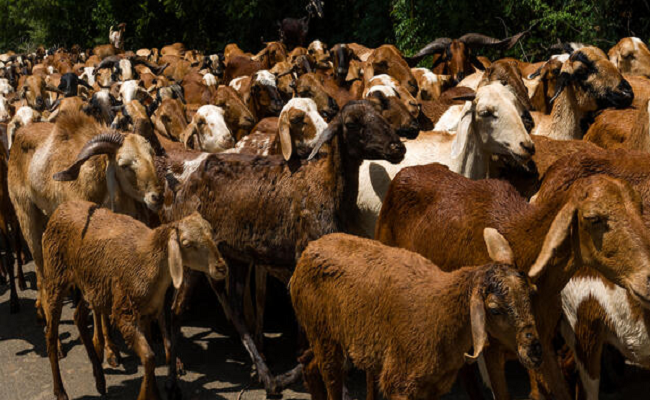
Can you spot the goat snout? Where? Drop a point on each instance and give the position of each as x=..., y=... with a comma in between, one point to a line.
x=154, y=201
x=39, y=103
x=621, y=97
x=529, y=147
x=396, y=152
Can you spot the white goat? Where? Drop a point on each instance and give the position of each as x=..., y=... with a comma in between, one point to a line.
x=490, y=124
x=24, y=116
x=5, y=87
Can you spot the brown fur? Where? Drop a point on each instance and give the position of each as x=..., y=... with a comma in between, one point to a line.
x=310, y=85
x=398, y=317
x=95, y=251
x=631, y=58
x=388, y=60
x=169, y=119
x=239, y=118
x=417, y=194
x=621, y=129
x=240, y=66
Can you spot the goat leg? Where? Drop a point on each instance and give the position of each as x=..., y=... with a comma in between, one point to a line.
x=180, y=299
x=260, y=303
x=18, y=248
x=7, y=263
x=80, y=320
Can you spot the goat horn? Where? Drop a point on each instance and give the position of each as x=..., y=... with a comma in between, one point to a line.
x=105, y=143
x=51, y=88
x=108, y=62
x=437, y=46
x=478, y=40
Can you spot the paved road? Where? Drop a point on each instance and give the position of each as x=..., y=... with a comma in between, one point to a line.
x=217, y=366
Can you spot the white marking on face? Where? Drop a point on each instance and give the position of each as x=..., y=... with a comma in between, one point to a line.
x=632, y=337
x=89, y=75
x=317, y=45
x=129, y=91
x=561, y=57
x=127, y=71
x=265, y=77
x=385, y=80
x=308, y=106
x=215, y=135
x=637, y=42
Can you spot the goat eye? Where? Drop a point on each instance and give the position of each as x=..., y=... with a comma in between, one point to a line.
x=593, y=219
x=495, y=311
x=485, y=114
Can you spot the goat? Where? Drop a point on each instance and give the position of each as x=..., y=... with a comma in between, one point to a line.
x=625, y=129
x=431, y=85
x=33, y=91
x=397, y=316
x=455, y=57
x=568, y=218
x=542, y=84
x=169, y=119
x=490, y=125
x=123, y=179
x=318, y=50
x=310, y=85
x=77, y=252
x=276, y=237
x=116, y=38
x=391, y=87
x=208, y=131
x=10, y=237
x=263, y=99
x=395, y=112
x=631, y=56
x=587, y=82
x=239, y=118
x=388, y=60
x=298, y=129
x=23, y=117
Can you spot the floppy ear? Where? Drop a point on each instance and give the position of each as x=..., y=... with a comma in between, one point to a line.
x=333, y=128
x=463, y=131
x=174, y=259
x=191, y=130
x=498, y=247
x=379, y=98
x=556, y=236
x=477, y=317
x=23, y=92
x=284, y=131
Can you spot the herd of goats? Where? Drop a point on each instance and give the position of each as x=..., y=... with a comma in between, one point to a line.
x=422, y=219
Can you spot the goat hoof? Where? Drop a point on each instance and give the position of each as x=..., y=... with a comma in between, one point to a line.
x=100, y=383
x=62, y=397
x=40, y=317
x=113, y=360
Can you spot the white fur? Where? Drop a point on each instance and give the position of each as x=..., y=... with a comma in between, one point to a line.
x=209, y=79
x=127, y=70
x=561, y=57
x=129, y=91
x=308, y=106
x=215, y=135
x=637, y=42
x=385, y=80
x=237, y=82
x=471, y=158
x=265, y=77
x=386, y=90
x=450, y=119
x=24, y=116
x=316, y=45
x=5, y=87
x=50, y=70
x=89, y=75
x=189, y=166
x=4, y=109
x=472, y=80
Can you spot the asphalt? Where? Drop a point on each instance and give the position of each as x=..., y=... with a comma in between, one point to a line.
x=216, y=363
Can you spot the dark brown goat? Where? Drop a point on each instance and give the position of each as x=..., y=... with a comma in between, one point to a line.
x=273, y=229
x=569, y=220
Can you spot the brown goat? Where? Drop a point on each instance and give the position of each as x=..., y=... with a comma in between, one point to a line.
x=95, y=250
x=239, y=118
x=277, y=236
x=397, y=316
x=388, y=60
x=631, y=56
x=569, y=221
x=311, y=86
x=169, y=119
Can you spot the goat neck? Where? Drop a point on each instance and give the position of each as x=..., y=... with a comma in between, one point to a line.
x=566, y=117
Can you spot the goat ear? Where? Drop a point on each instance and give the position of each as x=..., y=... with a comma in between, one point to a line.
x=333, y=128
x=477, y=318
x=284, y=131
x=476, y=63
x=174, y=259
x=190, y=131
x=556, y=236
x=498, y=247
x=463, y=131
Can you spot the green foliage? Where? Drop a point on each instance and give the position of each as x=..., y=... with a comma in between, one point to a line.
x=410, y=24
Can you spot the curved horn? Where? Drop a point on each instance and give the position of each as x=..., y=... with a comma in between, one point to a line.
x=51, y=88
x=437, y=46
x=105, y=143
x=478, y=40
x=108, y=62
